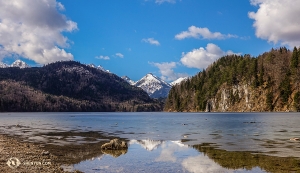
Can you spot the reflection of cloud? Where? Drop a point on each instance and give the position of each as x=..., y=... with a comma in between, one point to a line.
x=168, y=150
x=166, y=154
x=179, y=143
x=203, y=164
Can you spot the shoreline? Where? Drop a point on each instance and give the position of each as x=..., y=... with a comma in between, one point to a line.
x=25, y=157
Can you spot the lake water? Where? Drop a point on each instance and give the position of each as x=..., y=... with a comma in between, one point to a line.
x=165, y=142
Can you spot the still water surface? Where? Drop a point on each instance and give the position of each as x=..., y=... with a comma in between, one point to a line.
x=166, y=142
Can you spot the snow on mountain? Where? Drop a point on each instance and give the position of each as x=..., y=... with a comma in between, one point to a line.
x=3, y=65
x=154, y=86
x=17, y=63
x=20, y=64
x=178, y=81
x=127, y=79
x=98, y=67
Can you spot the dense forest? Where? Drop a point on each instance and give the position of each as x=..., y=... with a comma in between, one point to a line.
x=69, y=86
x=269, y=82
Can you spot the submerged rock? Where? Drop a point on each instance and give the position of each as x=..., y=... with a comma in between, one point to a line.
x=114, y=144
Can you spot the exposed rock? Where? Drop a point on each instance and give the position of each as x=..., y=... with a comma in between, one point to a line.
x=114, y=144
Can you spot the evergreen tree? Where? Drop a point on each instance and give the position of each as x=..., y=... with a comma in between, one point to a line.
x=297, y=101
x=294, y=60
x=269, y=101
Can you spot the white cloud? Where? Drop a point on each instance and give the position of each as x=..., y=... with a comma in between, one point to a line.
x=33, y=29
x=162, y=1
x=167, y=72
x=203, y=57
x=277, y=21
x=203, y=33
x=120, y=55
x=102, y=57
x=151, y=41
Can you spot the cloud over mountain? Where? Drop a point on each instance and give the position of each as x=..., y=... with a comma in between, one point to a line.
x=167, y=72
x=277, y=21
x=33, y=29
x=202, y=57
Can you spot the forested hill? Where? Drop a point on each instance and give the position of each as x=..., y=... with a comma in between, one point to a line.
x=69, y=86
x=269, y=82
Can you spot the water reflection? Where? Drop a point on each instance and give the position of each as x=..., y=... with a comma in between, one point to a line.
x=161, y=156
x=164, y=142
x=114, y=153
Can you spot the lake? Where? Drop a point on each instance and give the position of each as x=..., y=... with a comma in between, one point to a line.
x=164, y=142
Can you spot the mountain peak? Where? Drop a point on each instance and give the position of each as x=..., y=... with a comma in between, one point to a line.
x=20, y=64
x=154, y=86
x=3, y=65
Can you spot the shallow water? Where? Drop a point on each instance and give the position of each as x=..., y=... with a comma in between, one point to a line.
x=165, y=142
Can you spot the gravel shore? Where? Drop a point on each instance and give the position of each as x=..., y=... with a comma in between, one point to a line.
x=23, y=157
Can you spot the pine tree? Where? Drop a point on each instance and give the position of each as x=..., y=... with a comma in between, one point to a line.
x=294, y=60
x=297, y=101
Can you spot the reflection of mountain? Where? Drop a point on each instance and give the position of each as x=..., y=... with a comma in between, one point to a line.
x=247, y=160
x=148, y=144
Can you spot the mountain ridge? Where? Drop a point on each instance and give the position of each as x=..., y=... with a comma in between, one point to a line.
x=91, y=88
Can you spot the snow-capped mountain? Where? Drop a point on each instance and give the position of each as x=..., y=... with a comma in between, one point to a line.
x=98, y=67
x=3, y=65
x=127, y=79
x=17, y=63
x=178, y=81
x=154, y=86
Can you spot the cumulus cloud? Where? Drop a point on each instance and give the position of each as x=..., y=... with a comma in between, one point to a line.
x=202, y=33
x=33, y=29
x=167, y=72
x=277, y=21
x=102, y=57
x=203, y=57
x=151, y=41
x=162, y=1
x=120, y=55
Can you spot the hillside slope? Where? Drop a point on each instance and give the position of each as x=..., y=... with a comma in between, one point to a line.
x=84, y=88
x=269, y=82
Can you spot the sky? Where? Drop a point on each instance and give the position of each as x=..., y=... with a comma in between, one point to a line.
x=169, y=38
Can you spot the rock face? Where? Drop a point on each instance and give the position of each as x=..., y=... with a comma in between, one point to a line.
x=234, y=98
x=114, y=144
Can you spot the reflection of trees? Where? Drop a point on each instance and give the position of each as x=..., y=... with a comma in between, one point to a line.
x=246, y=160
x=115, y=153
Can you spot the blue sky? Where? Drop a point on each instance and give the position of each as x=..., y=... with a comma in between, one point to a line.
x=169, y=38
